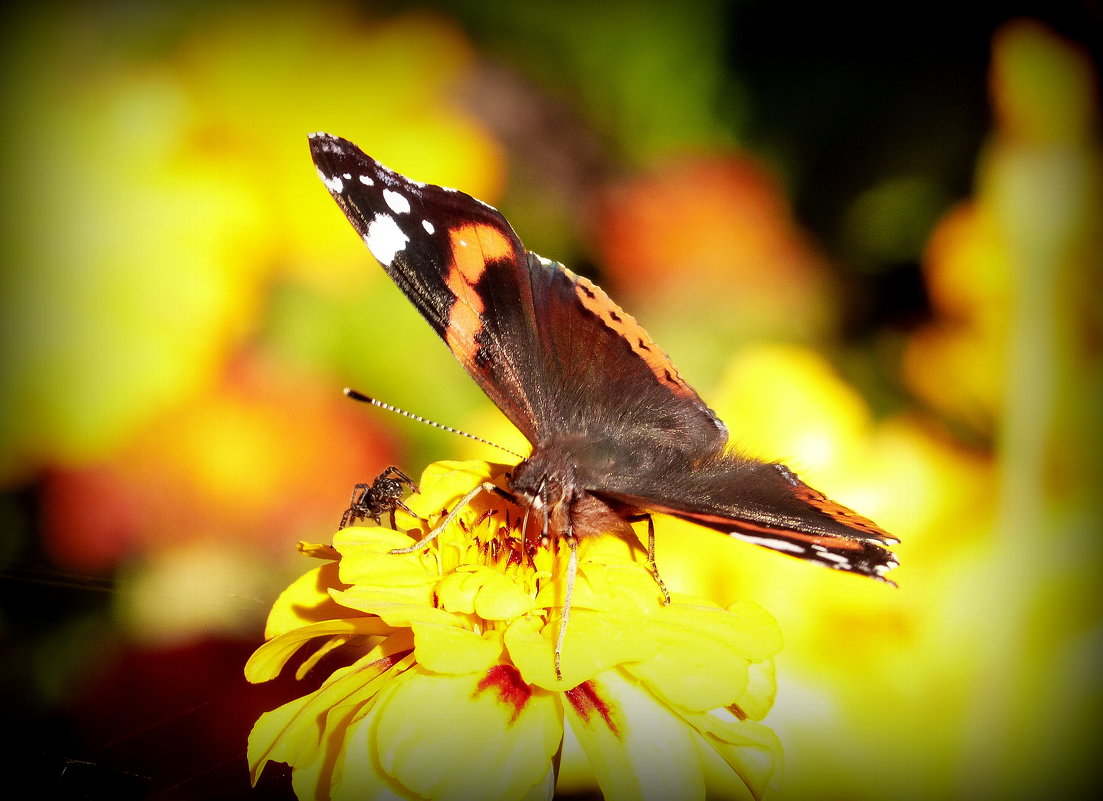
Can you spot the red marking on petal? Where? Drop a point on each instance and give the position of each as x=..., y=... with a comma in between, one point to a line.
x=586, y=702
x=511, y=688
x=737, y=710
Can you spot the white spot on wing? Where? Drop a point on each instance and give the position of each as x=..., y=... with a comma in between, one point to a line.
x=398, y=202
x=428, y=226
x=334, y=184
x=366, y=180
x=838, y=559
x=770, y=542
x=384, y=238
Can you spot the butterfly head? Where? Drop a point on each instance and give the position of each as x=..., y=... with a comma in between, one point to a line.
x=545, y=486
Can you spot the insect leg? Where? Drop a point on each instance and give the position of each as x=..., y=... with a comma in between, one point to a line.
x=448, y=518
x=651, y=553
x=572, y=570
x=398, y=475
x=651, y=560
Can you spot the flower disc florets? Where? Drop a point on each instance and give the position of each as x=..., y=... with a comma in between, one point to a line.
x=446, y=687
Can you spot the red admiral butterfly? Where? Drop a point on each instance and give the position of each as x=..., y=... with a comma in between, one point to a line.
x=615, y=430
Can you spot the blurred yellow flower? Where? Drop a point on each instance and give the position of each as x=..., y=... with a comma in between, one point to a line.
x=447, y=689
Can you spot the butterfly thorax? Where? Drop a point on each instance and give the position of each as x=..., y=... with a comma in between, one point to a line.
x=557, y=496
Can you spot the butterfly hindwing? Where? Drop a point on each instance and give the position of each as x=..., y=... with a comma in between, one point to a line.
x=766, y=504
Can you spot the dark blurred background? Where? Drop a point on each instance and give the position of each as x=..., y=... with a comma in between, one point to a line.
x=869, y=238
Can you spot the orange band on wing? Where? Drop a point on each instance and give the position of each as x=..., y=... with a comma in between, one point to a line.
x=472, y=247
x=843, y=514
x=600, y=304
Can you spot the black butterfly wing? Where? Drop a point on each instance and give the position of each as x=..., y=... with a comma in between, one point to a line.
x=548, y=347
x=765, y=504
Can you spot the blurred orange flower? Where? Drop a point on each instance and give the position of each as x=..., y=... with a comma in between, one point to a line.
x=259, y=460
x=714, y=227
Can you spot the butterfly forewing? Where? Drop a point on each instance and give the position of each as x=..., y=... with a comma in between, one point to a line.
x=454, y=257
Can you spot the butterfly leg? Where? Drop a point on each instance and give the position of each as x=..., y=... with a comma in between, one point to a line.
x=651, y=560
x=651, y=563
x=447, y=521
x=572, y=570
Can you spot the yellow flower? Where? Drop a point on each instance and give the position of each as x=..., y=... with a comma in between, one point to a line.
x=446, y=687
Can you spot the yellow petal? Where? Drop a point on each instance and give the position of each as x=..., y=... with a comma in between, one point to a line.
x=361, y=596
x=319, y=550
x=721, y=782
x=595, y=641
x=501, y=598
x=359, y=777
x=297, y=733
x=449, y=479
x=306, y=601
x=366, y=559
x=449, y=649
x=484, y=592
x=265, y=738
x=751, y=749
x=616, y=585
x=757, y=699
x=629, y=582
x=456, y=591
x=637, y=747
x=456, y=738
x=754, y=631
x=369, y=538
x=700, y=661
x=268, y=660
x=444, y=483
x=394, y=608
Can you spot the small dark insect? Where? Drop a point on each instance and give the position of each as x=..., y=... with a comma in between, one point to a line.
x=382, y=496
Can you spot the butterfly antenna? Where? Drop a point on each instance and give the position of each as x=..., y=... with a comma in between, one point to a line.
x=359, y=396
